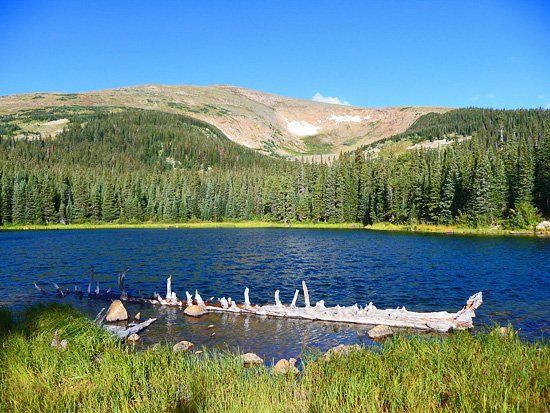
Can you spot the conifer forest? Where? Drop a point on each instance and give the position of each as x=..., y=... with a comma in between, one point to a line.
x=128, y=165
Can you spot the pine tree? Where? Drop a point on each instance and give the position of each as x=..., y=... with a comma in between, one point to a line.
x=318, y=199
x=524, y=183
x=542, y=173
x=447, y=194
x=19, y=202
x=109, y=207
x=479, y=206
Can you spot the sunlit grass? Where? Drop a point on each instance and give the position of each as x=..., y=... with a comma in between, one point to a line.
x=446, y=229
x=380, y=226
x=199, y=224
x=487, y=372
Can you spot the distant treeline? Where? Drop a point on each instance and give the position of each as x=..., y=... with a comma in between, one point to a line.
x=135, y=166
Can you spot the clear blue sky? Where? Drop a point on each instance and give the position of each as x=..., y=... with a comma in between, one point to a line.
x=463, y=53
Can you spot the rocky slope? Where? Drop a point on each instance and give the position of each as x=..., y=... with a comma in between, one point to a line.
x=269, y=123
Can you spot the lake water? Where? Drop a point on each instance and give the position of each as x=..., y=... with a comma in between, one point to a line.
x=421, y=272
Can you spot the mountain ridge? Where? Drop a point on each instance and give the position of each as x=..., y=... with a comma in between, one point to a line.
x=270, y=123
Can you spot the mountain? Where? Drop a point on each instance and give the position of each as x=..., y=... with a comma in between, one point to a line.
x=271, y=124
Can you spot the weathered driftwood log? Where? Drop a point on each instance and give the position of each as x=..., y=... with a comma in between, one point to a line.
x=441, y=321
x=132, y=328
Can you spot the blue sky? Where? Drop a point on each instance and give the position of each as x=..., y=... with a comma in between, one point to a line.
x=380, y=53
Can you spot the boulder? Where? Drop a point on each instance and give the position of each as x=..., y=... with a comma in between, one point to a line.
x=132, y=338
x=380, y=331
x=194, y=311
x=284, y=366
x=341, y=350
x=543, y=226
x=182, y=346
x=116, y=312
x=505, y=332
x=251, y=359
x=137, y=317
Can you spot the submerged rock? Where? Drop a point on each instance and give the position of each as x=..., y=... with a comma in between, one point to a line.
x=194, y=311
x=380, y=331
x=182, y=346
x=116, y=312
x=251, y=359
x=341, y=350
x=284, y=366
x=132, y=338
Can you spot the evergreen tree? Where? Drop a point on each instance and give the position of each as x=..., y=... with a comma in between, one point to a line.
x=542, y=173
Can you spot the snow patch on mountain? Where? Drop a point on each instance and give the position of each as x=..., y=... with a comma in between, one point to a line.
x=301, y=128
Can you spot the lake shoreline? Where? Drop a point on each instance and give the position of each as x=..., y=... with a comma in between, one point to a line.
x=451, y=230
x=382, y=226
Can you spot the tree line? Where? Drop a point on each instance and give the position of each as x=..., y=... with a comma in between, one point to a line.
x=136, y=166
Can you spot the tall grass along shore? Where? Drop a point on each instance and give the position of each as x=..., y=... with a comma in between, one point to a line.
x=381, y=226
x=486, y=372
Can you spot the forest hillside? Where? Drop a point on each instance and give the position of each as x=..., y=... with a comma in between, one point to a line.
x=472, y=167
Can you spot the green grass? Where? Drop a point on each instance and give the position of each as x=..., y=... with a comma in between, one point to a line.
x=446, y=229
x=381, y=226
x=486, y=372
x=317, y=145
x=200, y=224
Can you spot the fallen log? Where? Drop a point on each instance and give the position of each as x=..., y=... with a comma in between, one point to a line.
x=132, y=328
x=440, y=321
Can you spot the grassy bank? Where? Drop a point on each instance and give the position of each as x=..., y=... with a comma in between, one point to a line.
x=487, y=372
x=382, y=226
x=447, y=229
x=228, y=224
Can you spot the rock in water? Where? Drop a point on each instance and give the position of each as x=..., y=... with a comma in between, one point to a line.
x=116, y=312
x=137, y=317
x=341, y=350
x=182, y=346
x=132, y=338
x=380, y=331
x=284, y=366
x=251, y=359
x=194, y=311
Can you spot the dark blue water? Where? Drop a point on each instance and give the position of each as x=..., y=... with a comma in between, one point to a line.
x=421, y=272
